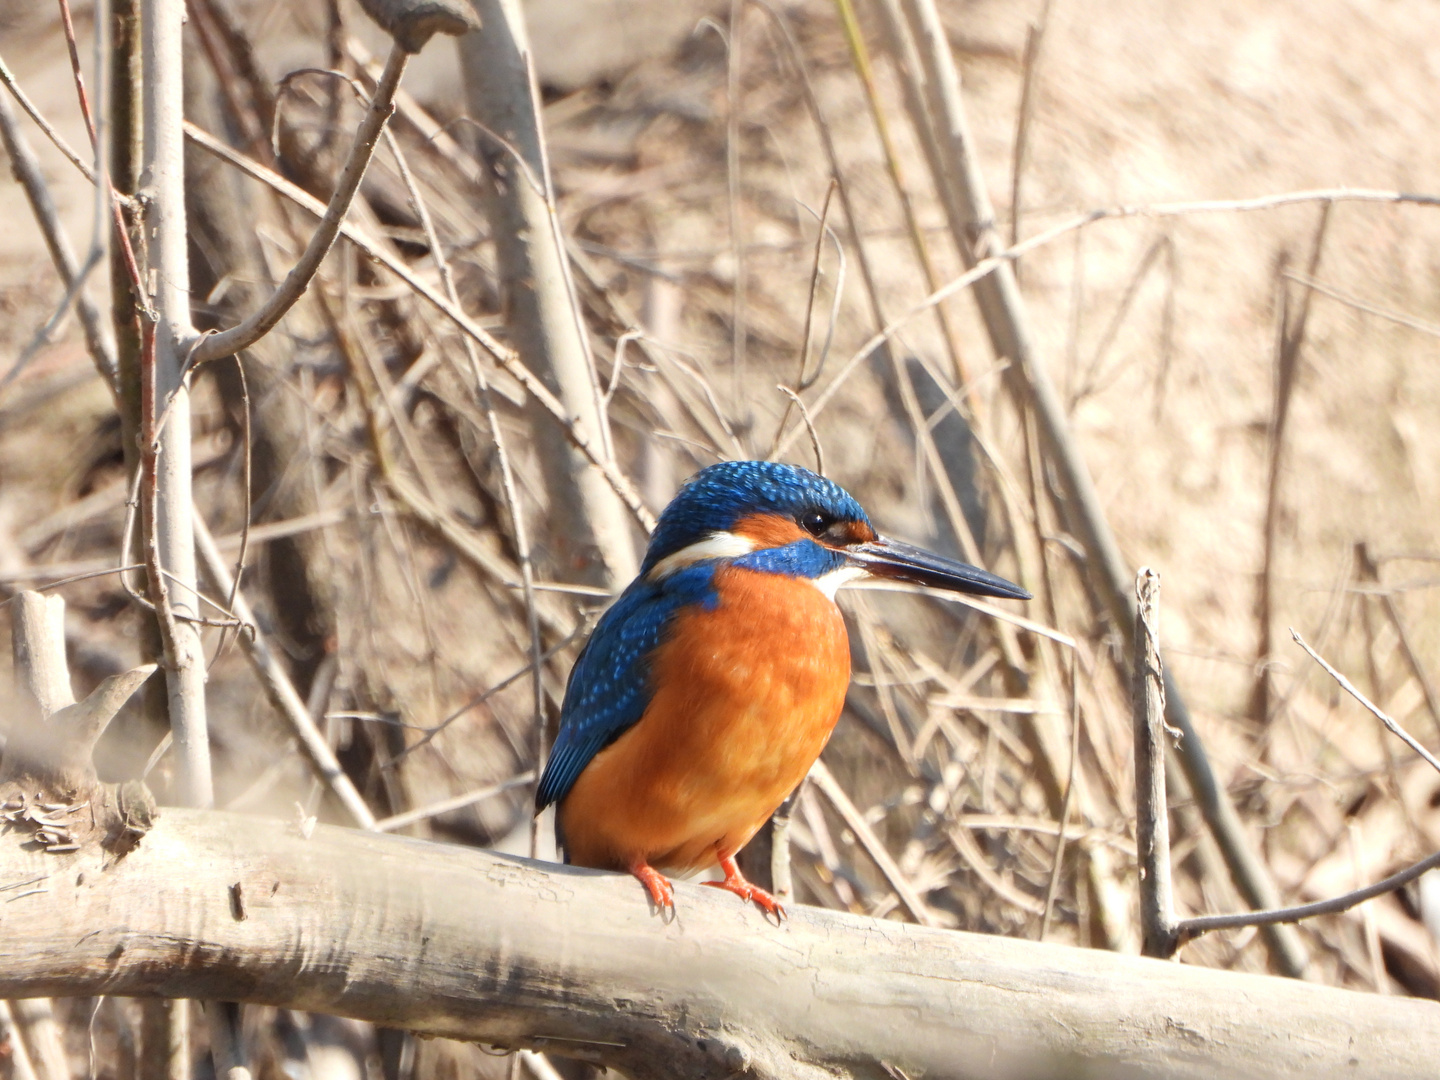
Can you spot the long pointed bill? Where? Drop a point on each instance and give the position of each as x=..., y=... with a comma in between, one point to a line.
x=884, y=558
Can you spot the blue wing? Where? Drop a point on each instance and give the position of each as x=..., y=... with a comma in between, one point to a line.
x=609, y=685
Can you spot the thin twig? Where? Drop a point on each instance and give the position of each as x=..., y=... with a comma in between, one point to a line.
x=1371, y=570
x=855, y=821
x=801, y=382
x=279, y=688
x=1034, y=38
x=26, y=168
x=260, y=322
x=481, y=699
x=1379, y=714
x=1188, y=929
x=1054, y=884
x=459, y=802
x=1397, y=317
x=44, y=125
x=809, y=426
x=69, y=26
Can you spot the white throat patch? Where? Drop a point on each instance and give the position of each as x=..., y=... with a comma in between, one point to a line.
x=718, y=545
x=829, y=583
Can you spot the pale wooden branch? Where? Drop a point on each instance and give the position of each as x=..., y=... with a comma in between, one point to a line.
x=165, y=399
x=474, y=945
x=587, y=521
x=1152, y=825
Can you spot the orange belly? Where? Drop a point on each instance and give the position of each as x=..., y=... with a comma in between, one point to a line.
x=745, y=697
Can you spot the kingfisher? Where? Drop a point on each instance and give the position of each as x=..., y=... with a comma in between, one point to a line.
x=708, y=689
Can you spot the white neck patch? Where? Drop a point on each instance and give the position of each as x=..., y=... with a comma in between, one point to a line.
x=718, y=545
x=829, y=583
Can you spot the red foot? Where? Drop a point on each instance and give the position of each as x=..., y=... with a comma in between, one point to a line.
x=735, y=882
x=656, y=884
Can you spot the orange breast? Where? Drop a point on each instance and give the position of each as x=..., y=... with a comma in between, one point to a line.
x=745, y=697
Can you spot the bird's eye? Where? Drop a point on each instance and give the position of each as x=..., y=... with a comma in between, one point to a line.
x=814, y=522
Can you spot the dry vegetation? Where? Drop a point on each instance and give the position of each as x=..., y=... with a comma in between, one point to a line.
x=1163, y=332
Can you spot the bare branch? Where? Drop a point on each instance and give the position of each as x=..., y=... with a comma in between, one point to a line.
x=44, y=125
x=458, y=802
x=542, y=311
x=1193, y=928
x=367, y=135
x=529, y=955
x=854, y=820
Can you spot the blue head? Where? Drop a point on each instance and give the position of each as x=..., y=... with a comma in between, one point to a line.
x=785, y=519
x=738, y=498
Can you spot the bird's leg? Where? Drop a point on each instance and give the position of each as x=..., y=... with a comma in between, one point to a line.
x=735, y=882
x=656, y=884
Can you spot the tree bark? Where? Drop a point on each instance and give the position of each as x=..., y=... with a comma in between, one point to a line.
x=473, y=945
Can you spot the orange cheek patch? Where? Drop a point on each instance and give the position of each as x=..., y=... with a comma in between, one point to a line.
x=857, y=532
x=768, y=530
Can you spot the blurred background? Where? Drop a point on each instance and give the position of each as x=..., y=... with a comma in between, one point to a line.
x=1256, y=393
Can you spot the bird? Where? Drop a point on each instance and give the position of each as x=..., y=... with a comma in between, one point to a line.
x=710, y=686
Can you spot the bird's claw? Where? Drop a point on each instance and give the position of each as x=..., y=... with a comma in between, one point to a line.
x=735, y=882
x=662, y=893
x=743, y=889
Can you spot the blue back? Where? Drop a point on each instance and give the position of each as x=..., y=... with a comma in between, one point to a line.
x=609, y=687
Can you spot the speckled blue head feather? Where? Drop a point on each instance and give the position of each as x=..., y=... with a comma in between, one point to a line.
x=717, y=497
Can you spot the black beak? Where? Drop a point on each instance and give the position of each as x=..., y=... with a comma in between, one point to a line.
x=884, y=558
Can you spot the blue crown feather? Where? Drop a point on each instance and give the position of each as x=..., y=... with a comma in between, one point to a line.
x=716, y=498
